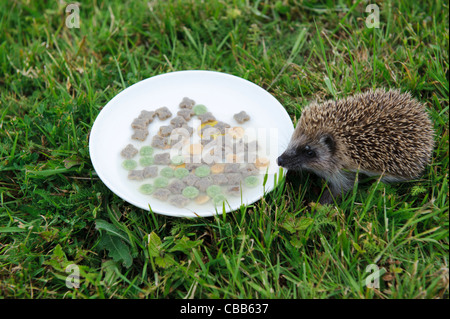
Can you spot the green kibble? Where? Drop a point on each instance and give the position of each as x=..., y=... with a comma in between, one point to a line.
x=147, y=189
x=129, y=164
x=251, y=181
x=161, y=182
x=146, y=161
x=202, y=171
x=219, y=199
x=177, y=160
x=214, y=190
x=200, y=109
x=190, y=192
x=166, y=172
x=181, y=172
x=146, y=151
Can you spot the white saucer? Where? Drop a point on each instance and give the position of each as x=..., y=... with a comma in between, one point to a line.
x=223, y=94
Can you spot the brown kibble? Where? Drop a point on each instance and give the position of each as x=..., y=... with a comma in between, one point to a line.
x=136, y=175
x=178, y=121
x=207, y=117
x=129, y=151
x=147, y=116
x=160, y=142
x=163, y=113
x=139, y=124
x=165, y=130
x=185, y=113
x=140, y=135
x=241, y=117
x=187, y=103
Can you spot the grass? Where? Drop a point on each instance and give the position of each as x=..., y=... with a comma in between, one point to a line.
x=56, y=212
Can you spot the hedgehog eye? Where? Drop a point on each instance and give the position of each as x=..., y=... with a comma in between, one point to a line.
x=308, y=151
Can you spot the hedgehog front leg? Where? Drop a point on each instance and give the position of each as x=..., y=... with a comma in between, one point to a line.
x=338, y=184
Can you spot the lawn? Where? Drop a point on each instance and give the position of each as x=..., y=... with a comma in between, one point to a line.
x=57, y=218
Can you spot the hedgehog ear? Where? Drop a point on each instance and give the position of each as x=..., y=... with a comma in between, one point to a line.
x=329, y=142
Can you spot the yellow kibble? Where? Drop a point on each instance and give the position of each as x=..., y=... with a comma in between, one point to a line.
x=231, y=158
x=236, y=132
x=195, y=149
x=177, y=166
x=211, y=123
x=202, y=199
x=262, y=162
x=217, y=168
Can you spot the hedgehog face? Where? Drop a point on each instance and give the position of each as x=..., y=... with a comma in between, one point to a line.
x=306, y=153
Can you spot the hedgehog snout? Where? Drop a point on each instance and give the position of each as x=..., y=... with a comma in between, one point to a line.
x=281, y=161
x=285, y=159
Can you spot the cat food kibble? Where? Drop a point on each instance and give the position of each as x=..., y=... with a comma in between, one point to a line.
x=150, y=171
x=136, y=175
x=203, y=183
x=166, y=172
x=202, y=171
x=146, y=151
x=162, y=159
x=202, y=199
x=186, y=114
x=177, y=160
x=140, y=134
x=161, y=194
x=160, y=142
x=234, y=178
x=220, y=179
x=190, y=179
x=181, y=172
x=241, y=117
x=145, y=161
x=163, y=113
x=147, y=189
x=249, y=170
x=190, y=192
x=139, y=124
x=262, y=162
x=180, y=167
x=206, y=117
x=236, y=132
x=179, y=201
x=177, y=186
x=129, y=151
x=186, y=103
x=178, y=121
x=161, y=182
x=234, y=190
x=166, y=130
x=213, y=190
x=251, y=181
x=200, y=109
x=217, y=168
x=219, y=199
x=129, y=164
x=222, y=126
x=147, y=116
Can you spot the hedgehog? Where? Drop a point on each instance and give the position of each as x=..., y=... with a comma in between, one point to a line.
x=377, y=133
